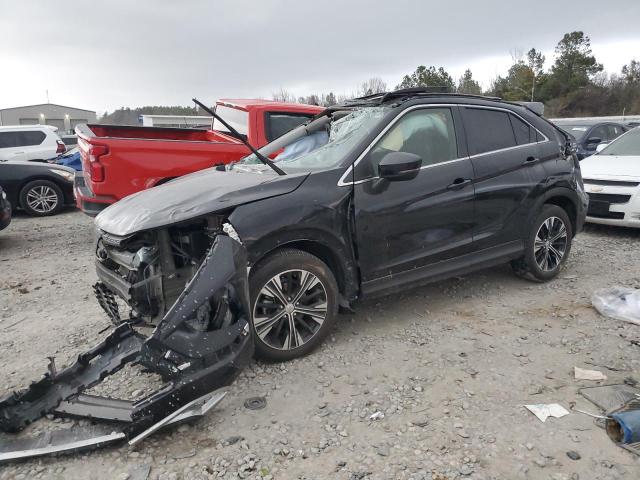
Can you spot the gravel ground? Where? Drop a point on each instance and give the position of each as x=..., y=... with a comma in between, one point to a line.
x=449, y=365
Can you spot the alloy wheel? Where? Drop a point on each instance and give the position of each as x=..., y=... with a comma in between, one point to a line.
x=290, y=309
x=550, y=244
x=42, y=199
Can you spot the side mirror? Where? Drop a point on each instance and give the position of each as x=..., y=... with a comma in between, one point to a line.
x=601, y=146
x=592, y=142
x=399, y=166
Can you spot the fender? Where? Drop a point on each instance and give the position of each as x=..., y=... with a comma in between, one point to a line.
x=580, y=204
x=323, y=231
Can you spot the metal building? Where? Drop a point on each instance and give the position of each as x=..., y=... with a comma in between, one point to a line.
x=64, y=118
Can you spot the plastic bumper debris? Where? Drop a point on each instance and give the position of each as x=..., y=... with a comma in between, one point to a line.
x=195, y=365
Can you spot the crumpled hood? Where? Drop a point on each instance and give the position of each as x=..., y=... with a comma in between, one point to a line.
x=187, y=197
x=610, y=166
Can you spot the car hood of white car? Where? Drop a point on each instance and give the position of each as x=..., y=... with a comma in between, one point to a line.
x=611, y=166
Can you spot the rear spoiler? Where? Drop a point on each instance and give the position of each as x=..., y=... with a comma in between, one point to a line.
x=535, y=107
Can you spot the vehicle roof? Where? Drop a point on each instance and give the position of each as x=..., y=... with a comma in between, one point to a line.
x=248, y=103
x=427, y=95
x=28, y=127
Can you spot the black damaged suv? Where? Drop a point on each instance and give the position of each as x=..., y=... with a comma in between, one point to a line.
x=380, y=193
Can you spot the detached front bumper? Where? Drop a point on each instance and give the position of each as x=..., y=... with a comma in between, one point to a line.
x=194, y=362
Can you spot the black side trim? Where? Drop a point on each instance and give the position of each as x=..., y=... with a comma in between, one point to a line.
x=445, y=269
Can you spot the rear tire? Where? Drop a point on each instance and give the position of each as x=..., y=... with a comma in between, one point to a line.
x=547, y=245
x=41, y=198
x=291, y=290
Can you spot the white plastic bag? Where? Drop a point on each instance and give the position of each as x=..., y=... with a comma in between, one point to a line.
x=620, y=303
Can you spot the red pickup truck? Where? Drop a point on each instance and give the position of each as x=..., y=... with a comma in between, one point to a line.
x=120, y=160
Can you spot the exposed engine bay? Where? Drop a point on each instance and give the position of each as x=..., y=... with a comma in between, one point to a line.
x=149, y=270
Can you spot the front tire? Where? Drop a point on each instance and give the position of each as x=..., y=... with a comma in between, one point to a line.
x=547, y=246
x=41, y=198
x=294, y=302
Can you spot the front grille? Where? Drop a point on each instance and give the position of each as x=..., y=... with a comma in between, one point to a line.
x=609, y=197
x=611, y=215
x=610, y=183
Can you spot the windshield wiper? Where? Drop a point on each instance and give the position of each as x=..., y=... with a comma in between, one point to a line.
x=240, y=137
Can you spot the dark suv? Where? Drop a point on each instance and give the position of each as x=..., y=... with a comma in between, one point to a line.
x=371, y=196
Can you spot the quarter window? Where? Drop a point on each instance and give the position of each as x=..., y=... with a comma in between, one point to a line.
x=522, y=130
x=28, y=139
x=488, y=130
x=428, y=133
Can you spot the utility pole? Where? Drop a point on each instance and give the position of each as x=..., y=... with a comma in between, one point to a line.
x=533, y=86
x=47, y=95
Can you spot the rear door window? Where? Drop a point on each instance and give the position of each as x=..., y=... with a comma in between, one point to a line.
x=488, y=130
x=6, y=140
x=279, y=123
x=9, y=139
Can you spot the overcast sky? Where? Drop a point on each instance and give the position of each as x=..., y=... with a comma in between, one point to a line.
x=103, y=55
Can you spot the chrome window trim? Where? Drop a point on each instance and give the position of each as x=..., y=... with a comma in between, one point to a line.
x=345, y=183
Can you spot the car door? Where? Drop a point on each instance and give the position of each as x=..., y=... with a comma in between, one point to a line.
x=504, y=152
x=404, y=226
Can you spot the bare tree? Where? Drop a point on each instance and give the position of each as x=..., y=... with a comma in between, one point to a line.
x=516, y=56
x=371, y=86
x=284, y=96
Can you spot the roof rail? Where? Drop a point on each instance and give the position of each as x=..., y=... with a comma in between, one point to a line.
x=420, y=92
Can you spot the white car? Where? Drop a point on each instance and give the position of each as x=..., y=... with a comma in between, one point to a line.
x=612, y=180
x=30, y=142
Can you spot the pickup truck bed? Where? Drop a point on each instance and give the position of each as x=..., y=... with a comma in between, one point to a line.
x=120, y=160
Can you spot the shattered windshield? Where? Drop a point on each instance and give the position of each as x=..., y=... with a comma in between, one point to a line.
x=324, y=149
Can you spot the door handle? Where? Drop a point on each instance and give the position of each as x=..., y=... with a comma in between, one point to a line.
x=531, y=160
x=459, y=183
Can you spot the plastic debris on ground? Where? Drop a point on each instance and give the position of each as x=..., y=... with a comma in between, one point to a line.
x=582, y=374
x=544, y=411
x=620, y=303
x=377, y=416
